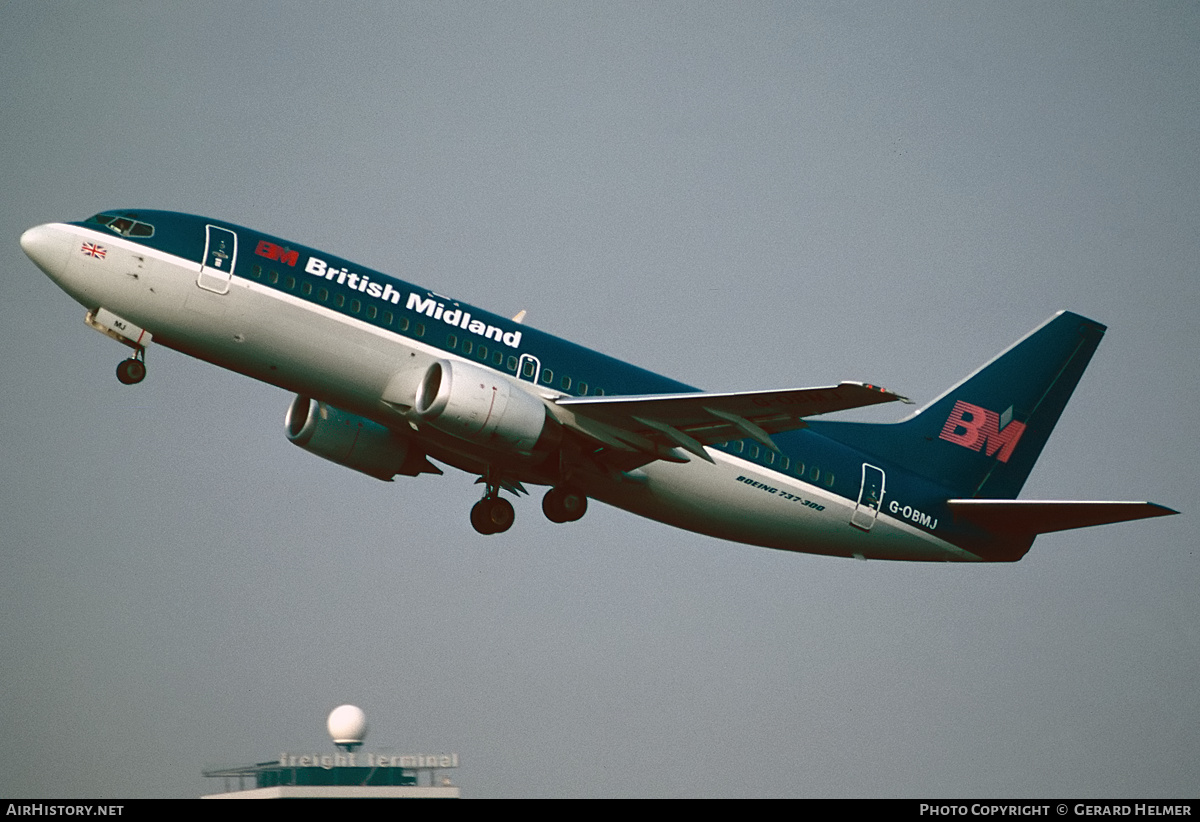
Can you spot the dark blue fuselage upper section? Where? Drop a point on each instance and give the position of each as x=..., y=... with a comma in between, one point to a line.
x=352, y=290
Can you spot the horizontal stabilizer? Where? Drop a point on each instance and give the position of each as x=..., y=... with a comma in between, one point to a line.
x=1018, y=516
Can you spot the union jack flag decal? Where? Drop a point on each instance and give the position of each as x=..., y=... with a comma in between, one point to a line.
x=93, y=250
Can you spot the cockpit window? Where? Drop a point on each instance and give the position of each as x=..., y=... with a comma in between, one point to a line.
x=125, y=226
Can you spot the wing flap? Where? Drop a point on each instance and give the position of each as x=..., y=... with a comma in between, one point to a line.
x=690, y=421
x=1017, y=516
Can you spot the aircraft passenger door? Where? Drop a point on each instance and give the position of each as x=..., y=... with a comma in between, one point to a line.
x=870, y=497
x=529, y=368
x=220, y=253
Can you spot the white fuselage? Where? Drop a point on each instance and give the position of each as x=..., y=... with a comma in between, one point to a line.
x=281, y=339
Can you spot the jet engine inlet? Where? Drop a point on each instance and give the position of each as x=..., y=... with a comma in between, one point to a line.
x=350, y=440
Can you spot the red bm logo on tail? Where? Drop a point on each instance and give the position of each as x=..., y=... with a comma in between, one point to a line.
x=978, y=428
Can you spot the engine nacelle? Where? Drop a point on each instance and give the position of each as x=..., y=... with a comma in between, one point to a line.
x=351, y=440
x=479, y=405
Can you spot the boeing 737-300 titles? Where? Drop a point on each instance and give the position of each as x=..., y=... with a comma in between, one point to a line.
x=390, y=379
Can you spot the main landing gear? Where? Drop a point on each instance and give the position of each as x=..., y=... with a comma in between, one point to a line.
x=132, y=371
x=494, y=515
x=564, y=504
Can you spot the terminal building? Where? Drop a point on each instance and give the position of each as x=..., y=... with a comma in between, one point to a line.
x=347, y=774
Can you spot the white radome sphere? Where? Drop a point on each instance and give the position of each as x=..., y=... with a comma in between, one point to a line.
x=347, y=725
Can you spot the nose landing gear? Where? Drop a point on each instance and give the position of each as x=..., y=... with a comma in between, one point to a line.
x=131, y=371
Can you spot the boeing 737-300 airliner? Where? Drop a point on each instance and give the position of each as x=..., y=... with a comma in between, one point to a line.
x=390, y=378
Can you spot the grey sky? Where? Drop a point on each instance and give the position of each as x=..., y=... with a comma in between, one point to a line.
x=736, y=195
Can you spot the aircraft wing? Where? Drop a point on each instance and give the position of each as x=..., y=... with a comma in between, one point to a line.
x=657, y=424
x=1019, y=516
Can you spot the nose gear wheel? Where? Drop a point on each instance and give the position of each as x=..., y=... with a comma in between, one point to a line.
x=131, y=371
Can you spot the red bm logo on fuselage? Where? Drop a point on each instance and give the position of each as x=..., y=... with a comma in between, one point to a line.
x=273, y=252
x=978, y=428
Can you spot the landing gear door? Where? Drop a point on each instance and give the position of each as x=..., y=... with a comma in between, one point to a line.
x=870, y=497
x=220, y=254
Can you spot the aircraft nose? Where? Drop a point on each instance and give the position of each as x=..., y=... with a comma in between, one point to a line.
x=47, y=246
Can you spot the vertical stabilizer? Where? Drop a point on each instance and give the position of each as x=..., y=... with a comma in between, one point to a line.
x=982, y=437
